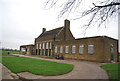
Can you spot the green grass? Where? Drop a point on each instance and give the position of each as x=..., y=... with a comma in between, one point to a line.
x=3, y=52
x=119, y=58
x=113, y=70
x=36, y=66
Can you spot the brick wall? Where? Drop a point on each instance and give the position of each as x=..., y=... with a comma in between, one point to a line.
x=101, y=49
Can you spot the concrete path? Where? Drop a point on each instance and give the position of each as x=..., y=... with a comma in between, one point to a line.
x=7, y=74
x=82, y=70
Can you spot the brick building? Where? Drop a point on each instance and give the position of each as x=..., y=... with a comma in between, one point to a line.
x=60, y=43
x=27, y=49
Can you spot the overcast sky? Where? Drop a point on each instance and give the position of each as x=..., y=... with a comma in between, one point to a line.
x=22, y=21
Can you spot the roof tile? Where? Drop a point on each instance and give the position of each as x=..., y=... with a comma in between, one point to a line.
x=51, y=32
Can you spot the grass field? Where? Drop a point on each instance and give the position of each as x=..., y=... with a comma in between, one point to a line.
x=119, y=58
x=113, y=70
x=3, y=52
x=35, y=66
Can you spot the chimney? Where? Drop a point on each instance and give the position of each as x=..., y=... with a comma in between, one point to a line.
x=44, y=30
x=67, y=24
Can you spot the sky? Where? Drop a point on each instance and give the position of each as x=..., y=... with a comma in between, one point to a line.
x=22, y=21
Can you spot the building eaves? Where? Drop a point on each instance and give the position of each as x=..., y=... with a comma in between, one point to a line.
x=95, y=37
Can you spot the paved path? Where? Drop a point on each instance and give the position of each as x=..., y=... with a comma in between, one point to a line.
x=82, y=70
x=7, y=74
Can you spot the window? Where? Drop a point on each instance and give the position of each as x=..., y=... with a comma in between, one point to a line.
x=66, y=49
x=33, y=50
x=36, y=46
x=47, y=45
x=61, y=49
x=81, y=49
x=73, y=49
x=27, y=49
x=90, y=49
x=55, y=49
x=23, y=49
x=43, y=46
x=40, y=46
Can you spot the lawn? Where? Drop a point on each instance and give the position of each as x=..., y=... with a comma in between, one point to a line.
x=112, y=70
x=35, y=66
x=3, y=52
x=119, y=58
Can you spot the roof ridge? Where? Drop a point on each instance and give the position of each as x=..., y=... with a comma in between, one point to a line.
x=55, y=29
x=51, y=32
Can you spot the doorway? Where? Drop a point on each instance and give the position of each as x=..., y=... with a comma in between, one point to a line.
x=42, y=52
x=112, y=53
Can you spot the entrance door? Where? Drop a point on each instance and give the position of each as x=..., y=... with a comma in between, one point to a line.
x=46, y=52
x=49, y=52
x=36, y=51
x=43, y=52
x=111, y=54
x=39, y=52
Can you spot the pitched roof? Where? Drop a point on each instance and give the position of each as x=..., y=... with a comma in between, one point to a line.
x=51, y=32
x=96, y=37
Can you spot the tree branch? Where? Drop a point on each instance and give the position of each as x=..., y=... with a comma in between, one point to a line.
x=111, y=4
x=98, y=14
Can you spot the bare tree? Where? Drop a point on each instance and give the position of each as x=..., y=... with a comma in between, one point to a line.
x=100, y=11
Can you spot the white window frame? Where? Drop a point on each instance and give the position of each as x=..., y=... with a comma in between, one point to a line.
x=47, y=44
x=66, y=49
x=56, y=48
x=73, y=48
x=61, y=49
x=90, y=49
x=36, y=45
x=40, y=46
x=43, y=46
x=23, y=49
x=81, y=49
x=27, y=49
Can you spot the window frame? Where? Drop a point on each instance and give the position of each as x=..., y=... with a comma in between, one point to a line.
x=28, y=49
x=23, y=49
x=91, y=49
x=61, y=49
x=47, y=44
x=43, y=45
x=66, y=49
x=37, y=45
x=73, y=49
x=56, y=49
x=81, y=49
x=40, y=46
